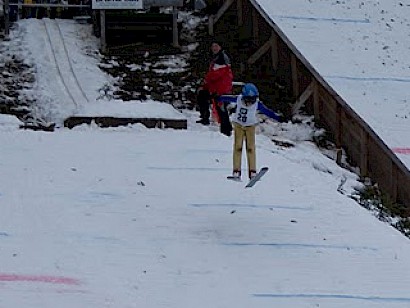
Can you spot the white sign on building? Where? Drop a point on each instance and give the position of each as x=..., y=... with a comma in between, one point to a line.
x=117, y=5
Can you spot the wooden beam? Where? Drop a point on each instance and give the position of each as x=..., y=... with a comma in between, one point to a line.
x=274, y=51
x=338, y=135
x=115, y=122
x=303, y=97
x=255, y=26
x=295, y=78
x=316, y=101
x=393, y=182
x=175, y=34
x=364, y=153
x=6, y=20
x=339, y=126
x=260, y=52
x=214, y=18
x=239, y=8
x=211, y=25
x=103, y=38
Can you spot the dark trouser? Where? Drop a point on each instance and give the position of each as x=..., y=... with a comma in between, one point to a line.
x=226, y=126
x=203, y=100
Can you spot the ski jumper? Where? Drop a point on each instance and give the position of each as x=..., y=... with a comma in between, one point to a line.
x=244, y=124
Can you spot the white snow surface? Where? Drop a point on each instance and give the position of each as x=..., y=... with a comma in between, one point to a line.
x=75, y=66
x=135, y=217
x=361, y=48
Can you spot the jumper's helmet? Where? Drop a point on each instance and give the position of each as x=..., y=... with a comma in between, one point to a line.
x=250, y=93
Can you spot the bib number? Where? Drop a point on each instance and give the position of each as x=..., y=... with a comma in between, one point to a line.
x=242, y=115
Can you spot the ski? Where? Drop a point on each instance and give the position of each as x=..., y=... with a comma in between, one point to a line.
x=257, y=177
x=234, y=178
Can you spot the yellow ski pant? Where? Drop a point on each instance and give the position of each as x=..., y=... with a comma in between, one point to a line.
x=241, y=134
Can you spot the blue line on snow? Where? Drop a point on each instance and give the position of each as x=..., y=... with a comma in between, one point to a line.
x=336, y=296
x=395, y=79
x=345, y=20
x=296, y=245
x=4, y=234
x=99, y=198
x=250, y=206
x=103, y=194
x=189, y=168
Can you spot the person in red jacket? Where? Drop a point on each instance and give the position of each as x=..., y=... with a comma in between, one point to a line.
x=217, y=81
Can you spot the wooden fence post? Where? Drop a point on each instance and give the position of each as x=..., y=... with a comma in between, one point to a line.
x=295, y=78
x=364, y=153
x=175, y=41
x=316, y=101
x=338, y=136
x=103, y=38
x=6, y=20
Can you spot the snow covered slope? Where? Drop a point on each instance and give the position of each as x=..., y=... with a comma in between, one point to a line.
x=361, y=48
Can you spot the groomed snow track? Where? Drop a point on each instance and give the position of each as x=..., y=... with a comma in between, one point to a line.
x=61, y=58
x=70, y=91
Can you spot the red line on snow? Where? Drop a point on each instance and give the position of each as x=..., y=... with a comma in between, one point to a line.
x=401, y=150
x=39, y=278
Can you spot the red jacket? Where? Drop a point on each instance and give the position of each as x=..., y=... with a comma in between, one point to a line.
x=219, y=78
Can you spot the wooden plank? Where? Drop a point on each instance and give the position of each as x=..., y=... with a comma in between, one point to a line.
x=354, y=130
x=393, y=183
x=49, y=5
x=260, y=52
x=239, y=9
x=175, y=41
x=211, y=24
x=295, y=77
x=303, y=98
x=339, y=125
x=364, y=153
x=6, y=20
x=114, y=122
x=255, y=26
x=163, y=3
x=338, y=134
x=316, y=101
x=274, y=51
x=103, y=38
